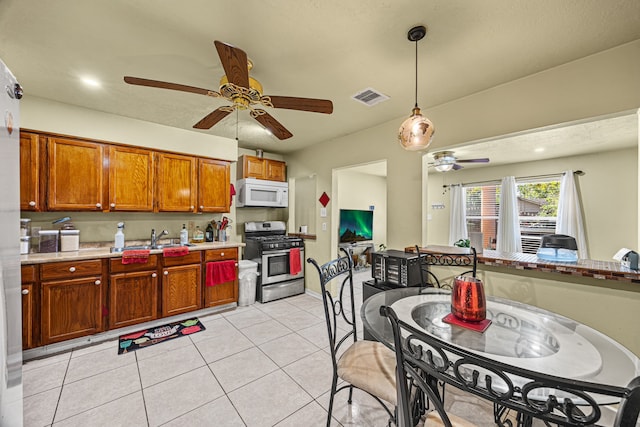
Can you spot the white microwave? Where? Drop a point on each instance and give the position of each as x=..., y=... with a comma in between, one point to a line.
x=260, y=192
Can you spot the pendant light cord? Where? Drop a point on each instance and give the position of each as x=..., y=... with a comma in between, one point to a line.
x=416, y=42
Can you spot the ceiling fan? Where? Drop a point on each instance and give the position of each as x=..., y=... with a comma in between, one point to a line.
x=444, y=161
x=244, y=92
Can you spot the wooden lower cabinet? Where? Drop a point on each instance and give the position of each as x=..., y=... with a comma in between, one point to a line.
x=223, y=293
x=29, y=303
x=133, y=292
x=181, y=284
x=71, y=308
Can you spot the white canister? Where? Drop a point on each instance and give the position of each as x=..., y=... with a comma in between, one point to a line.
x=24, y=244
x=69, y=240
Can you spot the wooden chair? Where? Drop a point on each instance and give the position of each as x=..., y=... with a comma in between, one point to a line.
x=366, y=365
x=423, y=359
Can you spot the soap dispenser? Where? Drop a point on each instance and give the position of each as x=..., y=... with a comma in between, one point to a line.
x=184, y=235
x=119, y=243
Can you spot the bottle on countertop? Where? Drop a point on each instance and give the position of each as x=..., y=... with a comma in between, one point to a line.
x=208, y=234
x=119, y=243
x=184, y=235
x=198, y=235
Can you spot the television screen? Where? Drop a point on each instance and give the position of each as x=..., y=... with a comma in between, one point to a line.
x=355, y=225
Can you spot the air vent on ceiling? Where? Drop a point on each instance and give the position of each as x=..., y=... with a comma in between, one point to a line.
x=369, y=97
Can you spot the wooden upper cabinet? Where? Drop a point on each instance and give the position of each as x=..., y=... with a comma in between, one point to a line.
x=261, y=168
x=213, y=185
x=31, y=197
x=177, y=183
x=76, y=175
x=131, y=179
x=275, y=170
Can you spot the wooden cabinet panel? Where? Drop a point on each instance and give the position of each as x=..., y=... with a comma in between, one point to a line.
x=213, y=185
x=131, y=179
x=27, y=315
x=193, y=257
x=71, y=309
x=116, y=265
x=223, y=293
x=275, y=170
x=133, y=298
x=177, y=183
x=31, y=197
x=261, y=168
x=181, y=289
x=71, y=269
x=76, y=175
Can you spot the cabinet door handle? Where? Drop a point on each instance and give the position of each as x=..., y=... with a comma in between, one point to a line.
x=98, y=205
x=192, y=207
x=113, y=205
x=25, y=292
x=221, y=253
x=97, y=282
x=72, y=269
x=154, y=275
x=166, y=273
x=32, y=203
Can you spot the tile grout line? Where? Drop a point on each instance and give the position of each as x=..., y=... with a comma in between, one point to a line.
x=144, y=402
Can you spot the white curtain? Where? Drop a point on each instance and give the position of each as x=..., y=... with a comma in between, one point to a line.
x=458, y=215
x=570, y=213
x=508, y=239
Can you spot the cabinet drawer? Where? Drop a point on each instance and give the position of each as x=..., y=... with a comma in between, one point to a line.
x=221, y=254
x=71, y=269
x=28, y=273
x=190, y=258
x=116, y=265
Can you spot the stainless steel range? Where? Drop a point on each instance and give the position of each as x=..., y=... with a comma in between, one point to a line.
x=280, y=259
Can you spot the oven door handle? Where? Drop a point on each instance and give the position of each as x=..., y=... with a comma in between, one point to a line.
x=268, y=253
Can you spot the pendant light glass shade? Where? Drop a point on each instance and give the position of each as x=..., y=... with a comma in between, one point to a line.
x=416, y=132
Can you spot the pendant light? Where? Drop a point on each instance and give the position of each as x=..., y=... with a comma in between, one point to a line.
x=416, y=132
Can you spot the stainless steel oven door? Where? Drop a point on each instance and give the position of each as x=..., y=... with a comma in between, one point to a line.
x=276, y=267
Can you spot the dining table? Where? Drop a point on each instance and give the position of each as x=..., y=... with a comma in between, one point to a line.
x=520, y=335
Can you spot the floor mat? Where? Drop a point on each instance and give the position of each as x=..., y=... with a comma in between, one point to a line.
x=151, y=336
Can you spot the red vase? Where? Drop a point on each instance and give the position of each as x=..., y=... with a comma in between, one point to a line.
x=468, y=302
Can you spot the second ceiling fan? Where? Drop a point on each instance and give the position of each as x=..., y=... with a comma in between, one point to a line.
x=444, y=161
x=244, y=92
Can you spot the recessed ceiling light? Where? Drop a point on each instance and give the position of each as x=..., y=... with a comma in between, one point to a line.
x=91, y=82
x=539, y=150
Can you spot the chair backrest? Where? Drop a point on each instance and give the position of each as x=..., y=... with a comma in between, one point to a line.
x=556, y=400
x=428, y=279
x=334, y=307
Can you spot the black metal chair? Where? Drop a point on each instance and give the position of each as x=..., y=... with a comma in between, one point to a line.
x=428, y=279
x=423, y=359
x=366, y=365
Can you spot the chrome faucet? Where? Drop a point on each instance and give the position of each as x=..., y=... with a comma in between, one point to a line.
x=154, y=238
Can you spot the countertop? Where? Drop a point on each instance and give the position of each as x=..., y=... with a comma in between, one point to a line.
x=105, y=252
x=603, y=270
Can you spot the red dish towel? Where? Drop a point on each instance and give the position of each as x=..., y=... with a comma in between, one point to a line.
x=294, y=261
x=179, y=251
x=135, y=256
x=220, y=272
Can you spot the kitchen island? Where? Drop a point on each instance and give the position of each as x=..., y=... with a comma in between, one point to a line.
x=76, y=298
x=601, y=294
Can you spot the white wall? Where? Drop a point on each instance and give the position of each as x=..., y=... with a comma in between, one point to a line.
x=359, y=191
x=608, y=189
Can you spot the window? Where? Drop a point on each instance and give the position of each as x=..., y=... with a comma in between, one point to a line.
x=537, y=205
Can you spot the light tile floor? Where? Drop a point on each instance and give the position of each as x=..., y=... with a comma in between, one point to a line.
x=262, y=365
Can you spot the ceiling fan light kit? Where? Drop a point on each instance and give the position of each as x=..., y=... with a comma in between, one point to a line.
x=416, y=132
x=244, y=92
x=444, y=161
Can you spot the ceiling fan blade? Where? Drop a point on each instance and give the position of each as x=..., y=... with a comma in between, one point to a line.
x=211, y=119
x=484, y=160
x=457, y=167
x=274, y=126
x=165, y=85
x=303, y=104
x=234, y=62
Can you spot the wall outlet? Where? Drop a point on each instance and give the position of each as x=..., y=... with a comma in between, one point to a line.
x=324, y=226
